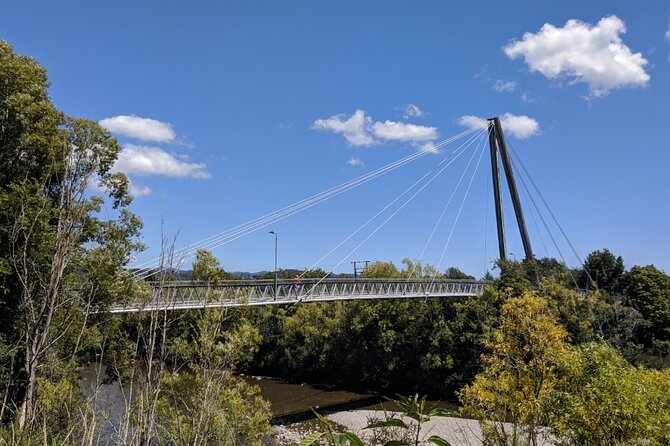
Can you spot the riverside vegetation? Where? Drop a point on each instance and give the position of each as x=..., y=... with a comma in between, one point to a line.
x=529, y=357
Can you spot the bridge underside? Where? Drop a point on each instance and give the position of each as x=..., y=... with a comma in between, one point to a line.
x=195, y=295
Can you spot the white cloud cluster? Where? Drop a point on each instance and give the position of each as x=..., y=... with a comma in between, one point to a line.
x=143, y=160
x=144, y=129
x=504, y=86
x=354, y=129
x=581, y=52
x=519, y=126
x=137, y=190
x=411, y=111
x=360, y=130
x=400, y=131
x=353, y=161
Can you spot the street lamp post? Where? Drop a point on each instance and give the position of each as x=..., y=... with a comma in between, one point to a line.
x=275, y=234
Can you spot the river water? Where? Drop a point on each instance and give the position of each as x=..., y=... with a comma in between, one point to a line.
x=296, y=401
x=289, y=401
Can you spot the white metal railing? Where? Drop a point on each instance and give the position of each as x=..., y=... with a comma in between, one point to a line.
x=191, y=295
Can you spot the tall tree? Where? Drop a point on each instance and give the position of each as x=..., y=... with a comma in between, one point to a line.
x=510, y=395
x=648, y=290
x=53, y=237
x=602, y=270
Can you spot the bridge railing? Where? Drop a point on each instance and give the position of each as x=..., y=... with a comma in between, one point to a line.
x=191, y=295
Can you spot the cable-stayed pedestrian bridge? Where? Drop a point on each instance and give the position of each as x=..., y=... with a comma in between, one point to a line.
x=191, y=295
x=187, y=295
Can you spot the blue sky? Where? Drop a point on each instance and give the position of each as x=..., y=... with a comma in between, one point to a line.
x=230, y=110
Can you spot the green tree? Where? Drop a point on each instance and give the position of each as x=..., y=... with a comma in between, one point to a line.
x=600, y=399
x=53, y=237
x=602, y=270
x=381, y=270
x=455, y=273
x=201, y=401
x=648, y=290
x=510, y=395
x=207, y=268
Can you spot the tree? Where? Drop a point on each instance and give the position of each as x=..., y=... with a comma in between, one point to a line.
x=519, y=374
x=648, y=290
x=455, y=273
x=29, y=122
x=53, y=239
x=201, y=401
x=381, y=270
x=207, y=268
x=591, y=316
x=602, y=270
x=600, y=399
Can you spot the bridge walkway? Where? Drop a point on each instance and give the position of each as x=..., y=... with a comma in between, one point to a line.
x=185, y=295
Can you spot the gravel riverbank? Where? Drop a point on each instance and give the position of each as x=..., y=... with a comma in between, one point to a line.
x=457, y=431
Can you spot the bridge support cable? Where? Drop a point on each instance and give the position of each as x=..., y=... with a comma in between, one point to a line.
x=270, y=218
x=458, y=214
x=551, y=213
x=444, y=210
x=449, y=160
x=402, y=206
x=320, y=200
x=146, y=268
x=532, y=211
x=546, y=226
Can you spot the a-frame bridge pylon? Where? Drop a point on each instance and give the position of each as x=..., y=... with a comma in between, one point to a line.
x=497, y=145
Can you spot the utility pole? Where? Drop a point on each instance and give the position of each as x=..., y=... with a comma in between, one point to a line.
x=355, y=263
x=497, y=143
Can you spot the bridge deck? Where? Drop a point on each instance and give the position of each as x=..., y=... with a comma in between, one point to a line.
x=238, y=293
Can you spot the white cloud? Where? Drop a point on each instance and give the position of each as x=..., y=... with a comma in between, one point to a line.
x=353, y=161
x=143, y=160
x=504, y=86
x=144, y=129
x=360, y=130
x=472, y=122
x=354, y=129
x=411, y=111
x=399, y=131
x=519, y=126
x=429, y=147
x=582, y=52
x=137, y=190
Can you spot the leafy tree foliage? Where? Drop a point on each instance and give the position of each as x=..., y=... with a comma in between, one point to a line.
x=59, y=258
x=455, y=273
x=207, y=268
x=648, y=290
x=602, y=270
x=510, y=394
x=601, y=399
x=201, y=401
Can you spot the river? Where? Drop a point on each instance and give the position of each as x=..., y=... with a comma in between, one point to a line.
x=289, y=402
